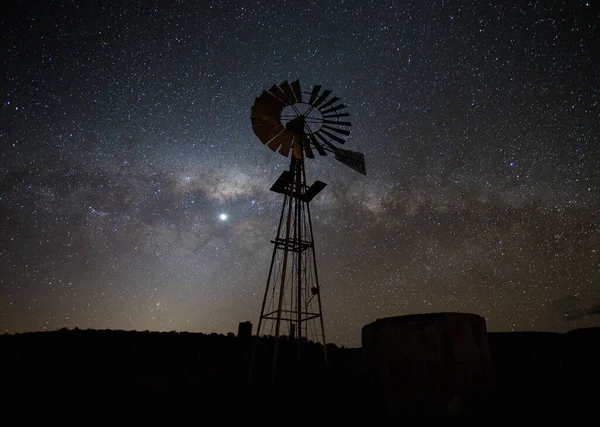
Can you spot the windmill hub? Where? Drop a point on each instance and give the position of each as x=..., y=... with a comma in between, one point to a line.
x=312, y=116
x=296, y=126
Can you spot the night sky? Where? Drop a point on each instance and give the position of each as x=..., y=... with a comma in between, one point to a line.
x=135, y=195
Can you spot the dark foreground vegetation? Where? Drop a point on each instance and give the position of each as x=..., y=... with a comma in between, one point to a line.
x=93, y=375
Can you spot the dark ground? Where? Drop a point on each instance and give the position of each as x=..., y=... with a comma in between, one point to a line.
x=88, y=376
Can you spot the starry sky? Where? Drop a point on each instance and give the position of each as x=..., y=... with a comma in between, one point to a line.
x=135, y=195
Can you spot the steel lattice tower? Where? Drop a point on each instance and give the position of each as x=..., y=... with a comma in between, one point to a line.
x=289, y=125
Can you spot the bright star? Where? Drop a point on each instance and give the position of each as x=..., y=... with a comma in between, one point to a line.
x=223, y=217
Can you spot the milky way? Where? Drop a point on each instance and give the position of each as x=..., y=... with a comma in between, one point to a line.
x=125, y=135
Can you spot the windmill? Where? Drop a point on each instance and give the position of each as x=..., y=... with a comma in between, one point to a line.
x=296, y=124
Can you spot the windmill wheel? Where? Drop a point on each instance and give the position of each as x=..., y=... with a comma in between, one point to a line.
x=286, y=120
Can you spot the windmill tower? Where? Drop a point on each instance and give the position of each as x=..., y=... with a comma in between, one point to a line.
x=294, y=123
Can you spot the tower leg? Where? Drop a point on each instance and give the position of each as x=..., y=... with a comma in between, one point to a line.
x=262, y=309
x=314, y=260
x=283, y=275
x=318, y=289
x=298, y=231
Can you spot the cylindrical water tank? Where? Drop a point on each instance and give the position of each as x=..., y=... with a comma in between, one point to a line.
x=431, y=364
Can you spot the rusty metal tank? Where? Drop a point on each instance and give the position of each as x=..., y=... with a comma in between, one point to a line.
x=430, y=364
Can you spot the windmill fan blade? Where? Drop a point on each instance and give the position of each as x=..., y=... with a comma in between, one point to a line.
x=297, y=91
x=332, y=109
x=267, y=104
x=334, y=122
x=263, y=119
x=316, y=144
x=333, y=116
x=284, y=150
x=267, y=98
x=288, y=94
x=255, y=112
x=321, y=98
x=266, y=134
x=277, y=92
x=314, y=93
x=306, y=145
x=332, y=136
x=352, y=159
x=340, y=131
x=259, y=120
x=326, y=142
x=279, y=139
x=328, y=103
